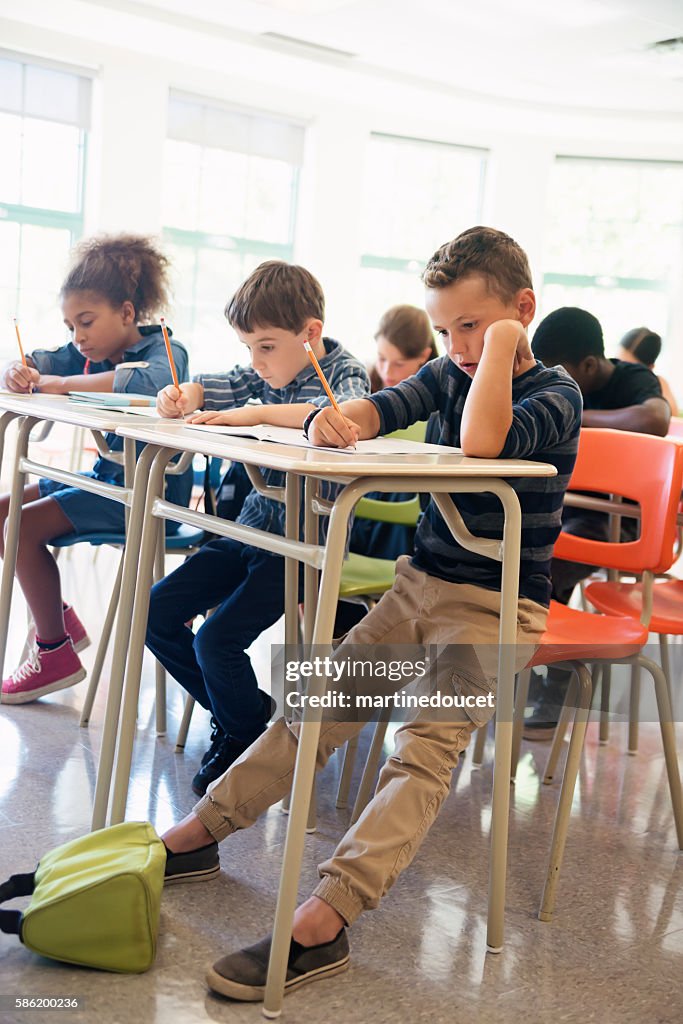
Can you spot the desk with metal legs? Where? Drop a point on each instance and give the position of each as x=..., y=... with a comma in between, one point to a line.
x=439, y=474
x=30, y=410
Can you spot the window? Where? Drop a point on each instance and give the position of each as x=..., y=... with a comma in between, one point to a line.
x=614, y=242
x=44, y=120
x=417, y=195
x=229, y=203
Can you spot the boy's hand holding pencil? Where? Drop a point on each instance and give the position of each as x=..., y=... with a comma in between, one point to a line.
x=174, y=402
x=331, y=429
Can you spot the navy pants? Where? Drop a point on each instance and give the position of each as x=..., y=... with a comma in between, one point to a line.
x=246, y=587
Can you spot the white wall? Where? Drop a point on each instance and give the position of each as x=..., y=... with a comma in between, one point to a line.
x=141, y=60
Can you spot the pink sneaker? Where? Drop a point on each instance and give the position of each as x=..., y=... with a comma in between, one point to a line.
x=73, y=626
x=41, y=673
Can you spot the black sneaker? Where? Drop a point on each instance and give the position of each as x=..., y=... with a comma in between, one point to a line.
x=227, y=753
x=542, y=722
x=217, y=736
x=196, y=866
x=243, y=975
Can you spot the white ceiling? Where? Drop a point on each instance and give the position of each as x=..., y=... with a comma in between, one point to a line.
x=592, y=54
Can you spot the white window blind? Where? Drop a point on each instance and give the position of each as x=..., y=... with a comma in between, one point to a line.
x=207, y=124
x=31, y=90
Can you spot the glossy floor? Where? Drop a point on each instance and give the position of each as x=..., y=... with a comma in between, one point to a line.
x=613, y=954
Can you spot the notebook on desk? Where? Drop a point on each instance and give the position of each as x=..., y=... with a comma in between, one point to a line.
x=294, y=436
x=112, y=399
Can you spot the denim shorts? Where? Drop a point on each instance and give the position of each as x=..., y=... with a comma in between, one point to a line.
x=87, y=512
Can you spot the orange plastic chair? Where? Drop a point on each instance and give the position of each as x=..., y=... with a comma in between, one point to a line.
x=648, y=470
x=660, y=607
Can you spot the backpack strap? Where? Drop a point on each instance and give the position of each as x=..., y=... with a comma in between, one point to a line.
x=17, y=885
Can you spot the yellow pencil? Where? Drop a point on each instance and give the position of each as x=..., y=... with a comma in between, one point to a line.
x=169, y=353
x=21, y=349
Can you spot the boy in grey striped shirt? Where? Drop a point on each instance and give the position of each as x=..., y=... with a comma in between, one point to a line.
x=276, y=309
x=494, y=400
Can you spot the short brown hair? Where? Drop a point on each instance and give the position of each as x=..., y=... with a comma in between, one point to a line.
x=409, y=329
x=121, y=268
x=276, y=294
x=486, y=251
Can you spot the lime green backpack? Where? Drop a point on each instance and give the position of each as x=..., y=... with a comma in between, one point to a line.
x=94, y=901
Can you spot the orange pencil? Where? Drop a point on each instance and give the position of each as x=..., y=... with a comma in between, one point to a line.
x=323, y=380
x=169, y=353
x=21, y=348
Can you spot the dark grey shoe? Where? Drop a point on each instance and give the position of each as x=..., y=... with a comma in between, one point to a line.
x=196, y=866
x=243, y=975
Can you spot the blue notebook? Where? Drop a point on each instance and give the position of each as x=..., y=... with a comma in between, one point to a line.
x=112, y=398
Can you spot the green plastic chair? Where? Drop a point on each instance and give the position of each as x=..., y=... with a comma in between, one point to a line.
x=364, y=579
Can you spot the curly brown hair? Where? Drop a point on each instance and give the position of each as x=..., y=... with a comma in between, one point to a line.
x=481, y=250
x=122, y=268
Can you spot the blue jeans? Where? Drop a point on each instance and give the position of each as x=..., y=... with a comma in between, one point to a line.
x=246, y=587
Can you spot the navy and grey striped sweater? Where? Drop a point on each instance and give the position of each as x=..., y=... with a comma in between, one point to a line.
x=545, y=427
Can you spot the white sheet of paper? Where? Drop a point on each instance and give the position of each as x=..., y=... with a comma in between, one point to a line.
x=294, y=436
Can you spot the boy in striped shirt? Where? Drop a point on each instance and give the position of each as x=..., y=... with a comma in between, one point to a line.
x=494, y=400
x=273, y=312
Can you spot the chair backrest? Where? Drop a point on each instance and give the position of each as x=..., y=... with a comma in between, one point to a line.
x=402, y=513
x=676, y=426
x=644, y=468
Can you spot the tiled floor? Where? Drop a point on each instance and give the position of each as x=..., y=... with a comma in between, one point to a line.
x=613, y=954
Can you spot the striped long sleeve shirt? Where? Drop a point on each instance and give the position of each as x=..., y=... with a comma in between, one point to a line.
x=347, y=378
x=546, y=419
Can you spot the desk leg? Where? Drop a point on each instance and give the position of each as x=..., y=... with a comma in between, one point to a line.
x=5, y=419
x=9, y=564
x=292, y=506
x=138, y=631
x=304, y=775
x=123, y=620
x=504, y=709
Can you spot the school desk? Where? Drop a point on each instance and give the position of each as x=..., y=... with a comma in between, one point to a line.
x=30, y=410
x=438, y=474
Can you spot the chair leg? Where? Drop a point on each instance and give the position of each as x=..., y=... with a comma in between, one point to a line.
x=605, y=688
x=666, y=724
x=666, y=662
x=521, y=697
x=181, y=739
x=558, y=738
x=583, y=689
x=370, y=769
x=634, y=710
x=479, y=745
x=348, y=763
x=105, y=637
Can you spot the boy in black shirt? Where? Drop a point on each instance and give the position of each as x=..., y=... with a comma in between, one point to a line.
x=616, y=394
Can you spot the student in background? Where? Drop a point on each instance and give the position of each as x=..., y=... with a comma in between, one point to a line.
x=274, y=312
x=495, y=401
x=641, y=345
x=405, y=342
x=616, y=394
x=115, y=287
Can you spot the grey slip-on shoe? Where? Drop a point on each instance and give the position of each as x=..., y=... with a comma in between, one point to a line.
x=242, y=975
